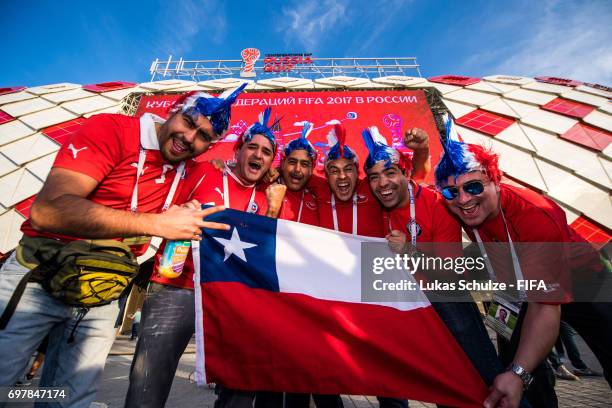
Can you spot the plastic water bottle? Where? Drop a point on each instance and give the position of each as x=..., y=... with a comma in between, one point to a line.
x=173, y=259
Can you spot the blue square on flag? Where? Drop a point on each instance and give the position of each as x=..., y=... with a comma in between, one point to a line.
x=243, y=254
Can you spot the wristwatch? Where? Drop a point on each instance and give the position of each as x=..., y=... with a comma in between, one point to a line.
x=523, y=374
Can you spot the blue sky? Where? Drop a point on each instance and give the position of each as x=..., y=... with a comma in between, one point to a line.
x=88, y=41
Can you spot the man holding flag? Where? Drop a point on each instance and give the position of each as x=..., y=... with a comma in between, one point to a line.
x=417, y=212
x=308, y=331
x=469, y=179
x=168, y=313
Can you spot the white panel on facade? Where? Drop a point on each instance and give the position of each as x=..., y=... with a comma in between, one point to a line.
x=515, y=135
x=111, y=109
x=598, y=171
x=29, y=148
x=225, y=83
x=599, y=119
x=398, y=80
x=87, y=105
x=552, y=175
x=13, y=130
x=443, y=88
x=6, y=165
x=570, y=214
x=549, y=121
x=532, y=97
x=47, y=89
x=606, y=107
x=285, y=82
x=586, y=198
x=370, y=85
x=546, y=87
x=608, y=152
x=606, y=163
x=509, y=108
x=492, y=87
x=17, y=186
x=457, y=109
x=41, y=167
x=10, y=225
x=509, y=79
x=594, y=91
x=24, y=107
x=49, y=117
x=471, y=136
x=166, y=85
x=584, y=97
x=121, y=93
x=567, y=155
x=15, y=97
x=65, y=96
x=341, y=81
x=470, y=97
x=518, y=164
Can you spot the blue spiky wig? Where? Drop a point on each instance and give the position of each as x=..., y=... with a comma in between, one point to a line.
x=379, y=150
x=460, y=158
x=302, y=143
x=336, y=139
x=261, y=127
x=218, y=110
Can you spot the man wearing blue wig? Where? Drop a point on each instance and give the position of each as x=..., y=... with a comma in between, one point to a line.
x=114, y=178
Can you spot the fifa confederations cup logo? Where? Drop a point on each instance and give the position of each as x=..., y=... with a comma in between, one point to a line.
x=249, y=56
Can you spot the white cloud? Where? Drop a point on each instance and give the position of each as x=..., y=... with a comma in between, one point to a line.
x=308, y=22
x=185, y=22
x=564, y=40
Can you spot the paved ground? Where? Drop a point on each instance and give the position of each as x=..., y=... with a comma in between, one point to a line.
x=589, y=392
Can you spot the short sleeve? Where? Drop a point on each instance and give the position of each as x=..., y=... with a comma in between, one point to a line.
x=95, y=149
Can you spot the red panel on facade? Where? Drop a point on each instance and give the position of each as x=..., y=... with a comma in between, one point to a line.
x=62, y=131
x=558, y=81
x=109, y=86
x=5, y=117
x=485, y=122
x=23, y=207
x=588, y=136
x=591, y=231
x=13, y=89
x=569, y=108
x=456, y=80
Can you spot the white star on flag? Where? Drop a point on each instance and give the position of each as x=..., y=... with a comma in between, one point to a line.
x=234, y=246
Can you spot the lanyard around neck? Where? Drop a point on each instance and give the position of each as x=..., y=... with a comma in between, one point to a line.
x=335, y=214
x=411, y=226
x=518, y=272
x=226, y=200
x=299, y=217
x=142, y=157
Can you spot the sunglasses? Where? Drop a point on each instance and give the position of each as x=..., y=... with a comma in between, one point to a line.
x=474, y=187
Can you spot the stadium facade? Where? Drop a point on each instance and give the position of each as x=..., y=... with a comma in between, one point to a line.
x=553, y=134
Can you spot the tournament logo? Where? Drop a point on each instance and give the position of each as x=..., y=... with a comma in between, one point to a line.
x=253, y=208
x=249, y=56
x=418, y=228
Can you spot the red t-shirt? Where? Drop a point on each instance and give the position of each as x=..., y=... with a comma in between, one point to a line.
x=434, y=223
x=369, y=212
x=533, y=218
x=205, y=183
x=107, y=148
x=291, y=207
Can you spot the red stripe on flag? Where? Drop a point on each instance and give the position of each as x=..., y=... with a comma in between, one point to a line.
x=261, y=340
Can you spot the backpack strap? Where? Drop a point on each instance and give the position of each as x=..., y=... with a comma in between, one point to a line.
x=12, y=303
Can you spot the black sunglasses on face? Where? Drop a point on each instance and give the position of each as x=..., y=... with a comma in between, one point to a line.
x=474, y=187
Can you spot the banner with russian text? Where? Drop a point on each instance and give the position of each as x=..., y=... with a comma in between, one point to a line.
x=393, y=112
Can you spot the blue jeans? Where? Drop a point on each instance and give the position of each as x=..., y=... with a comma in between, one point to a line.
x=166, y=326
x=77, y=365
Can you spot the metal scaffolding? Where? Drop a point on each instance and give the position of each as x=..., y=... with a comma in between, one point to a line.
x=201, y=70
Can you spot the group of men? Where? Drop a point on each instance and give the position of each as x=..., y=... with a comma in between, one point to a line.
x=123, y=180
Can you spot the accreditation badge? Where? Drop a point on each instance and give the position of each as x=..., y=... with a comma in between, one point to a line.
x=502, y=315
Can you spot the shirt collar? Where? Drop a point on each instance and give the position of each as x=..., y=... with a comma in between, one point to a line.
x=148, y=134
